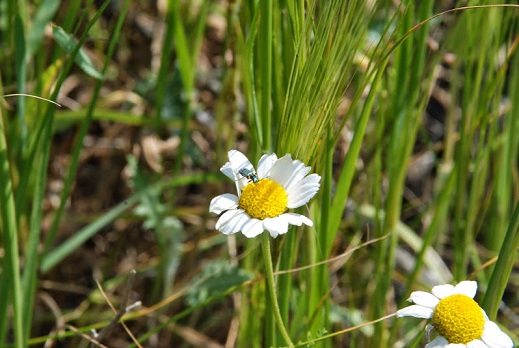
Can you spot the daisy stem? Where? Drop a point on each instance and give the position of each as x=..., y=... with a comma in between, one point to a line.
x=267, y=257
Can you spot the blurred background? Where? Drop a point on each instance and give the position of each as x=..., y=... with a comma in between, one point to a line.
x=414, y=130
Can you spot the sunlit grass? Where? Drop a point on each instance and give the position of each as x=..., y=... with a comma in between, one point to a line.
x=409, y=115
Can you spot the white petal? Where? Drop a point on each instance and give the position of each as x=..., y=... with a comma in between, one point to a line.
x=226, y=217
x=276, y=226
x=235, y=224
x=494, y=337
x=296, y=219
x=438, y=342
x=456, y=345
x=428, y=329
x=424, y=299
x=252, y=228
x=300, y=194
x=227, y=170
x=467, y=288
x=442, y=291
x=239, y=161
x=299, y=173
x=415, y=311
x=476, y=344
x=284, y=170
x=265, y=165
x=232, y=221
x=223, y=202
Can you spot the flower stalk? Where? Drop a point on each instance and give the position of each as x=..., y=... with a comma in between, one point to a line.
x=271, y=285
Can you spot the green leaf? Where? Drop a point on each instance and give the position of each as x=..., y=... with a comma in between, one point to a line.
x=68, y=43
x=217, y=277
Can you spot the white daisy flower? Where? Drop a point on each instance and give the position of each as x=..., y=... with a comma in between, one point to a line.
x=265, y=196
x=457, y=318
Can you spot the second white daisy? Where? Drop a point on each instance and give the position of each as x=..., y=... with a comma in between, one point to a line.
x=264, y=196
x=457, y=318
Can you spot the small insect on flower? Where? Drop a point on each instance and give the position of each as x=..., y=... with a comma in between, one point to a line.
x=249, y=174
x=263, y=201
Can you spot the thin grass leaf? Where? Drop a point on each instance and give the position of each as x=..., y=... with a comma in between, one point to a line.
x=52, y=258
x=265, y=72
x=5, y=296
x=501, y=274
x=67, y=118
x=10, y=241
x=508, y=250
x=348, y=168
x=165, y=58
x=68, y=43
x=21, y=76
x=187, y=66
x=43, y=16
x=439, y=212
x=245, y=44
x=32, y=257
x=187, y=58
x=66, y=248
x=184, y=313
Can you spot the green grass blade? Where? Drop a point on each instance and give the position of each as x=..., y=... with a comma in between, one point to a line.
x=245, y=60
x=30, y=274
x=66, y=118
x=187, y=55
x=348, y=168
x=5, y=300
x=69, y=44
x=503, y=268
x=5, y=296
x=265, y=72
x=508, y=250
x=66, y=248
x=165, y=58
x=21, y=76
x=185, y=58
x=73, y=243
x=10, y=238
x=84, y=126
x=43, y=16
x=439, y=212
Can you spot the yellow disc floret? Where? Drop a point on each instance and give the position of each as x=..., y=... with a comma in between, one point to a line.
x=264, y=199
x=459, y=319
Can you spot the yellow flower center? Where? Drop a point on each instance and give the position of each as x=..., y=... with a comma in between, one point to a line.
x=459, y=319
x=264, y=199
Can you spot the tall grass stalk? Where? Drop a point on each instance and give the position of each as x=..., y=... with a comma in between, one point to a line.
x=12, y=295
x=503, y=269
x=508, y=149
